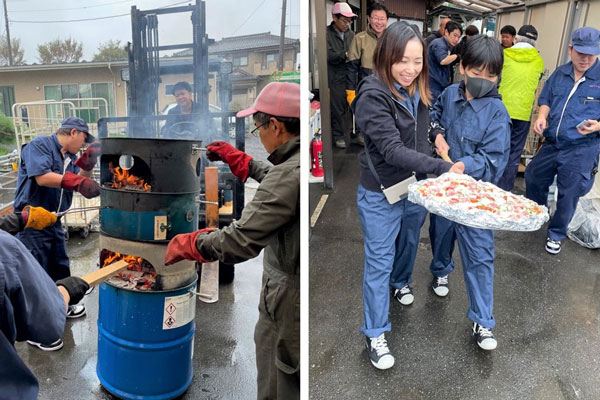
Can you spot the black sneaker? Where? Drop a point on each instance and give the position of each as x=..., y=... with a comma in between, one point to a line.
x=48, y=347
x=440, y=285
x=485, y=337
x=76, y=311
x=379, y=353
x=404, y=295
x=552, y=246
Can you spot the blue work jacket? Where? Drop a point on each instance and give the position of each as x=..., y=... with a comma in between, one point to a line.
x=31, y=308
x=439, y=75
x=477, y=131
x=40, y=156
x=570, y=103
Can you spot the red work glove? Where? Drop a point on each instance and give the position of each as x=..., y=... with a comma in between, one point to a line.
x=237, y=160
x=86, y=186
x=89, y=157
x=183, y=247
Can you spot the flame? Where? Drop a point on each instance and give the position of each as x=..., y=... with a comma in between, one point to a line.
x=123, y=180
x=135, y=263
x=143, y=282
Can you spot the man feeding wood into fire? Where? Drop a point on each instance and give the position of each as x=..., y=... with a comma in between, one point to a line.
x=49, y=172
x=270, y=221
x=32, y=306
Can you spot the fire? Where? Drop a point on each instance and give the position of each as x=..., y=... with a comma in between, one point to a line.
x=123, y=180
x=142, y=276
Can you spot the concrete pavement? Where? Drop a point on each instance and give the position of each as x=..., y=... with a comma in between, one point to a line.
x=546, y=307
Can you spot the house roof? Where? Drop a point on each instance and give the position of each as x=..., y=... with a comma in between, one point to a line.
x=245, y=42
x=77, y=65
x=239, y=74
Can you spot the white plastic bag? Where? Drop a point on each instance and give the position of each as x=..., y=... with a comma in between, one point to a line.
x=584, y=228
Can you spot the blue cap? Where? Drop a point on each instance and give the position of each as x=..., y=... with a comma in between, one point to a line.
x=80, y=125
x=586, y=40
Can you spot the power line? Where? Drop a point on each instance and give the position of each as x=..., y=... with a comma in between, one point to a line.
x=249, y=16
x=72, y=8
x=87, y=19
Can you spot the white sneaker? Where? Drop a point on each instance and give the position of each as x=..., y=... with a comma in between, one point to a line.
x=379, y=353
x=404, y=295
x=48, y=347
x=440, y=285
x=76, y=311
x=553, y=246
x=485, y=337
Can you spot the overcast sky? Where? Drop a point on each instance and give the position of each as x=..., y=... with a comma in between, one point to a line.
x=225, y=18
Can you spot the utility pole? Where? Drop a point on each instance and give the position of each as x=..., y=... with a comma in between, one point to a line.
x=10, y=60
x=281, y=37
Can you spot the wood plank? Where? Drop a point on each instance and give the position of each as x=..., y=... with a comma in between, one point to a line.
x=209, y=278
x=99, y=275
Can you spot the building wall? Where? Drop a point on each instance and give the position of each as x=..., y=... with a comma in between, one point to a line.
x=552, y=22
x=256, y=59
x=29, y=84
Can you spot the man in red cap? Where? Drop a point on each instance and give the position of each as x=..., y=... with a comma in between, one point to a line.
x=339, y=38
x=271, y=220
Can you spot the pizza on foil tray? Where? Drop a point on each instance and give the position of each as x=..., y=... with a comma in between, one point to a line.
x=462, y=199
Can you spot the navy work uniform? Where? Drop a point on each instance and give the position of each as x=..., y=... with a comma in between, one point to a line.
x=439, y=75
x=566, y=153
x=31, y=307
x=40, y=156
x=478, y=134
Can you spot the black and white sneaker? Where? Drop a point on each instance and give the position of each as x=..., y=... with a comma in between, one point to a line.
x=379, y=353
x=440, y=285
x=404, y=295
x=485, y=337
x=76, y=311
x=48, y=347
x=552, y=246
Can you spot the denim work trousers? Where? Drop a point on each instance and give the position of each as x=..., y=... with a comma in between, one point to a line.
x=49, y=249
x=518, y=137
x=476, y=248
x=391, y=239
x=573, y=167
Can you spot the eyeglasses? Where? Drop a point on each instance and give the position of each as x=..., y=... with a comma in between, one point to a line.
x=253, y=131
x=378, y=19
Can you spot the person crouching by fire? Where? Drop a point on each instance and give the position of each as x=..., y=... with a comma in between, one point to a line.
x=271, y=220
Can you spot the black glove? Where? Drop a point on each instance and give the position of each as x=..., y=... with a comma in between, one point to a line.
x=75, y=286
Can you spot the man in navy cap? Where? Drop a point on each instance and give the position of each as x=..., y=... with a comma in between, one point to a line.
x=568, y=118
x=49, y=172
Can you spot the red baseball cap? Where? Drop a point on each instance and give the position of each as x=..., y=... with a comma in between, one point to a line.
x=279, y=99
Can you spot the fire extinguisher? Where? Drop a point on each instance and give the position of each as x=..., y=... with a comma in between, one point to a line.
x=317, y=156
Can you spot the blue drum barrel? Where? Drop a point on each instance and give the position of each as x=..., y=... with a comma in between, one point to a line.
x=145, y=341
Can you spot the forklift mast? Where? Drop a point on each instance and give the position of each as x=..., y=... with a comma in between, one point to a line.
x=144, y=58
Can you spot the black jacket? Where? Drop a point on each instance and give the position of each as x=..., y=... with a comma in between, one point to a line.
x=397, y=144
x=337, y=50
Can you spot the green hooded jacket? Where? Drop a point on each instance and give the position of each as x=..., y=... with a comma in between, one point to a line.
x=521, y=73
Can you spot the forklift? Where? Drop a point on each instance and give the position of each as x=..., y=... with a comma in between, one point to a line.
x=143, y=77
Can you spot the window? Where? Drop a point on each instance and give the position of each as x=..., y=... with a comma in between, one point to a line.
x=90, y=111
x=240, y=61
x=269, y=58
x=243, y=91
x=7, y=99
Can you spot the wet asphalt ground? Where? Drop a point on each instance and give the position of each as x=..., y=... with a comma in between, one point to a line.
x=546, y=307
x=224, y=353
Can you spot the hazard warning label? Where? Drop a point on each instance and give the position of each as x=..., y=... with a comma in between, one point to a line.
x=178, y=311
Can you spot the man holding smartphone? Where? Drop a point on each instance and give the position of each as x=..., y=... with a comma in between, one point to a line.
x=568, y=119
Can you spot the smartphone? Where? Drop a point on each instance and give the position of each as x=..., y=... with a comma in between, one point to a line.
x=582, y=124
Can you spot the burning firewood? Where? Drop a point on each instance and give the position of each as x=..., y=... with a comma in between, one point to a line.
x=122, y=179
x=140, y=274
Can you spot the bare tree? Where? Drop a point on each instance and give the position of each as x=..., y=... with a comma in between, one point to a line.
x=110, y=51
x=60, y=51
x=17, y=51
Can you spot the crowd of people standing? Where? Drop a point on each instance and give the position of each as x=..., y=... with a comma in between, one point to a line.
x=403, y=96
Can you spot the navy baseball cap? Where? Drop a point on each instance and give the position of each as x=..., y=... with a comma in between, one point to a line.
x=80, y=125
x=586, y=40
